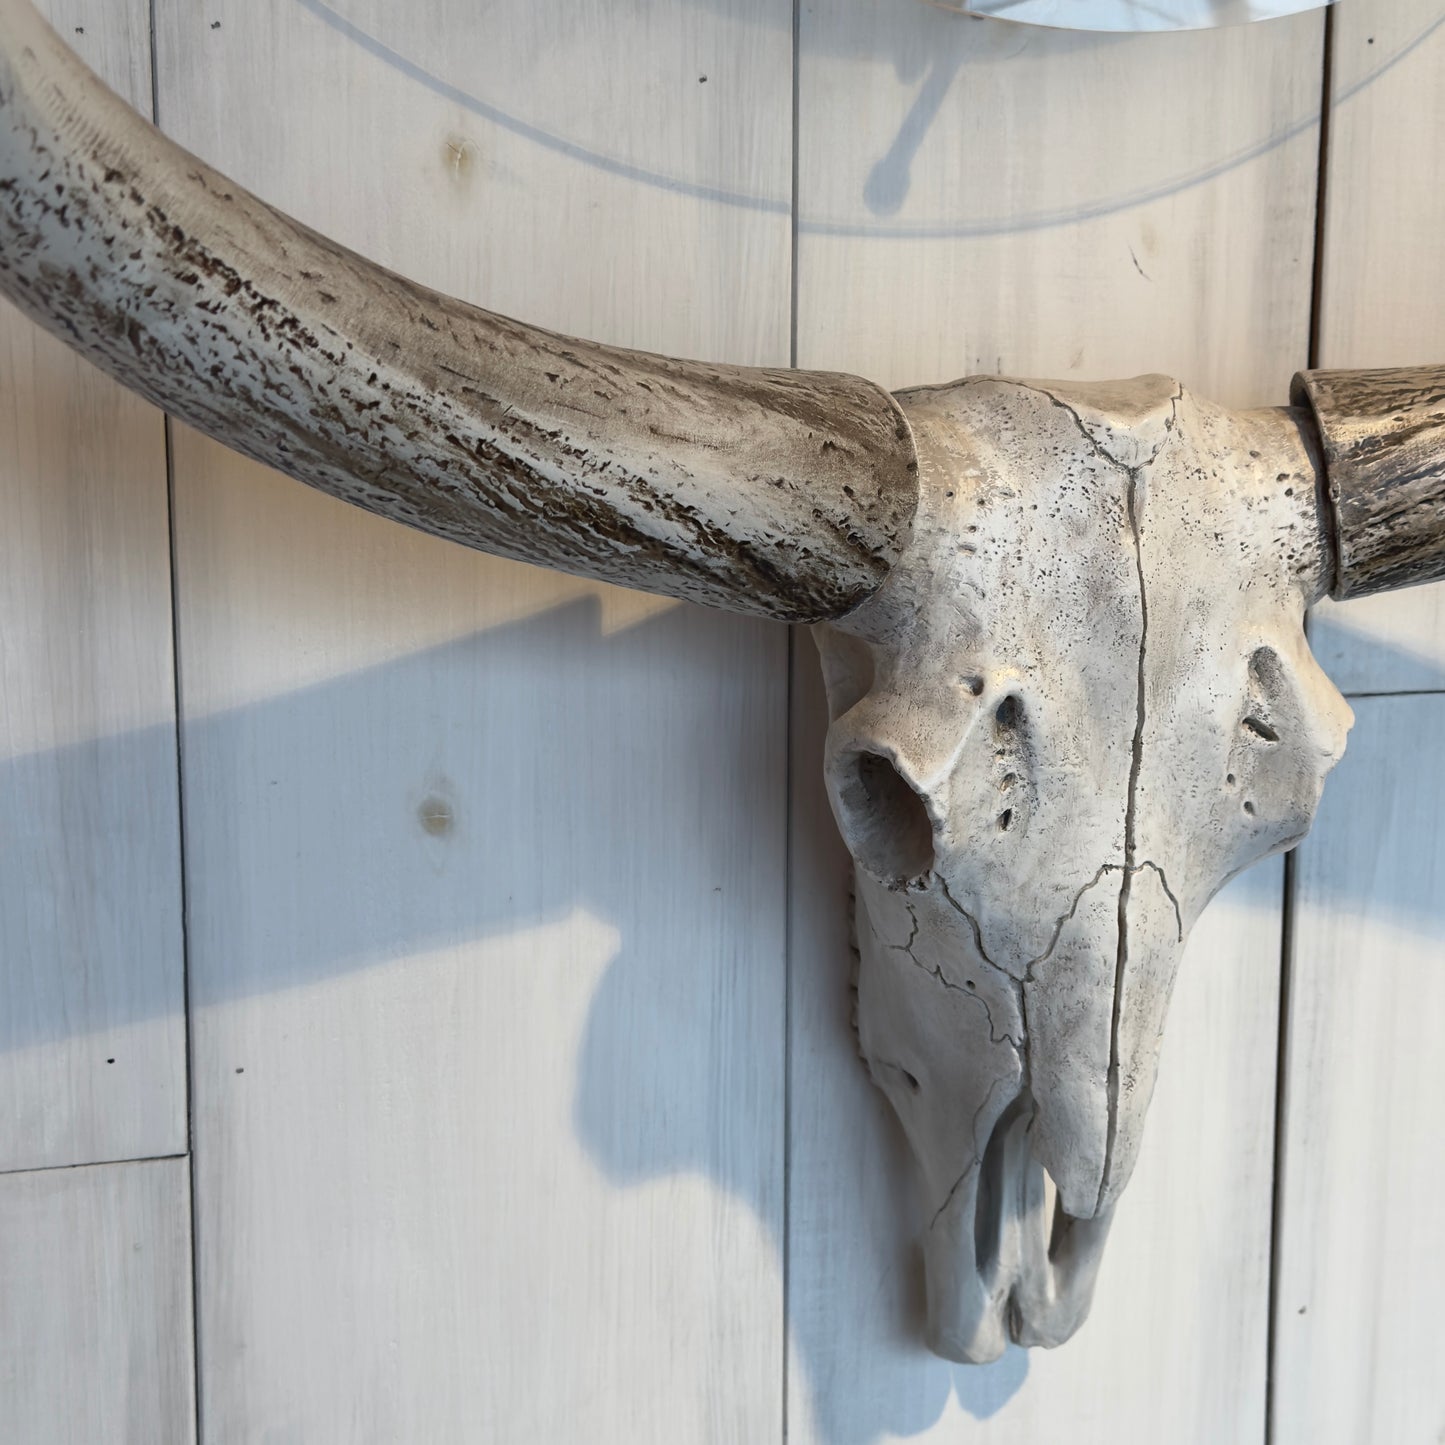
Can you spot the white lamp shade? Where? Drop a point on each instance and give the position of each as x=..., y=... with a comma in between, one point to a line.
x=1134, y=14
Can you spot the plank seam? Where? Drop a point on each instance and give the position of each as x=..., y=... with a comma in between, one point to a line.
x=1287, y=911
x=793, y=195
x=789, y=833
x=788, y=775
x=90, y=1164
x=185, y=926
x=185, y=929
x=181, y=829
x=1317, y=279
x=1281, y=1115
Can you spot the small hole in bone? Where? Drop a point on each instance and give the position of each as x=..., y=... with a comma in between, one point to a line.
x=1009, y=714
x=1007, y=781
x=1261, y=729
x=974, y=685
x=1005, y=820
x=1230, y=779
x=1249, y=808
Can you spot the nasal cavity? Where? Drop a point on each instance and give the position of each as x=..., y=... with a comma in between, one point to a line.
x=885, y=820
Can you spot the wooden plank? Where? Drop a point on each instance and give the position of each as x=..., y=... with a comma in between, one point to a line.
x=1360, y=1274
x=976, y=196
x=1036, y=203
x=1175, y=1347
x=92, y=1028
x=1392, y=643
x=95, y=1305
x=1383, y=295
x=1357, y=1322
x=487, y=925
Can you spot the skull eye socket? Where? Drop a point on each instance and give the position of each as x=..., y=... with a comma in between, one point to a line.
x=887, y=824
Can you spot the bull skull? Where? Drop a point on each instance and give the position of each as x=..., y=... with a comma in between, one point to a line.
x=1061, y=626
x=1081, y=702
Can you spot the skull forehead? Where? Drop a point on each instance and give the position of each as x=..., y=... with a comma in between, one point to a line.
x=1022, y=517
x=1025, y=545
x=1092, y=553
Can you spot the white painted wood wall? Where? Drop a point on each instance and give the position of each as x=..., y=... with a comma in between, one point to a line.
x=499, y=1086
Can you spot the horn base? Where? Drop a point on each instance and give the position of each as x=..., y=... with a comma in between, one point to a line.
x=1382, y=435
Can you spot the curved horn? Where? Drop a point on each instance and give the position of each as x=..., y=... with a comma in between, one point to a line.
x=1382, y=437
x=788, y=494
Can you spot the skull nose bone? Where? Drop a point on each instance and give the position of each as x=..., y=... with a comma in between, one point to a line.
x=884, y=815
x=1003, y=1260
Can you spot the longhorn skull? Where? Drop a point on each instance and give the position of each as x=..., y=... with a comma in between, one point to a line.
x=1061, y=627
x=1081, y=702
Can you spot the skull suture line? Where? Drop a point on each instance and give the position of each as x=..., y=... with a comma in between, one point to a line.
x=1070, y=689
x=1081, y=703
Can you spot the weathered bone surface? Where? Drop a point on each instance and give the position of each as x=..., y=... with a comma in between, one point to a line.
x=1070, y=690
x=1081, y=703
x=783, y=493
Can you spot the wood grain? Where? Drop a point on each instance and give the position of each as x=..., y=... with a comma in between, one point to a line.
x=92, y=1028
x=1033, y=203
x=977, y=196
x=95, y=1305
x=1382, y=299
x=1358, y=1325
x=487, y=924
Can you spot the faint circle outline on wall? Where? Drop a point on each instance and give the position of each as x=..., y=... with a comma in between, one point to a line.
x=949, y=228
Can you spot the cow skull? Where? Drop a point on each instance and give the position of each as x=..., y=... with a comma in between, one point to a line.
x=1061, y=626
x=1081, y=702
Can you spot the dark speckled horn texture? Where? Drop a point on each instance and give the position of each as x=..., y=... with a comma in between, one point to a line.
x=1382, y=437
x=782, y=493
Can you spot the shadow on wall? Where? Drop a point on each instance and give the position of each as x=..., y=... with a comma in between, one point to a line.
x=471, y=858
x=393, y=811
x=333, y=799
x=1348, y=648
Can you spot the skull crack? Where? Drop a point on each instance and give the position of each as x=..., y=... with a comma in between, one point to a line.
x=1133, y=508
x=936, y=972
